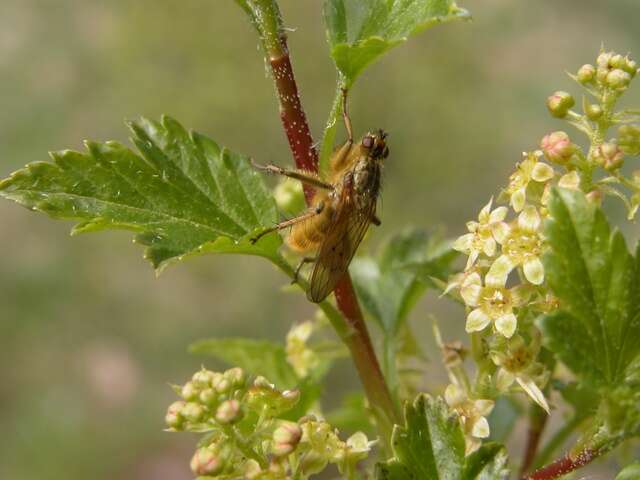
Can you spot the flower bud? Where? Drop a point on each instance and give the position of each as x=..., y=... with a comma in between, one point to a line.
x=193, y=412
x=236, y=376
x=189, y=391
x=208, y=397
x=223, y=386
x=586, y=74
x=618, y=79
x=560, y=103
x=252, y=470
x=631, y=67
x=617, y=61
x=595, y=197
x=228, y=412
x=289, y=196
x=312, y=462
x=609, y=156
x=286, y=438
x=601, y=74
x=557, y=147
x=205, y=462
x=202, y=378
x=593, y=112
x=603, y=59
x=174, y=418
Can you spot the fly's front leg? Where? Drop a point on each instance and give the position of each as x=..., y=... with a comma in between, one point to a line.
x=288, y=223
x=340, y=156
x=303, y=262
x=304, y=177
x=345, y=117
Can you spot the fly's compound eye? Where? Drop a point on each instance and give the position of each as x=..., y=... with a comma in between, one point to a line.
x=367, y=142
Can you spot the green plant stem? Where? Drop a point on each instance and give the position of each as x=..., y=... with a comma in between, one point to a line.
x=265, y=16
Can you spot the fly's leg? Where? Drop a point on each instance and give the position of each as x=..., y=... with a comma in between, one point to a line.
x=304, y=177
x=303, y=262
x=288, y=223
x=375, y=220
x=341, y=155
x=345, y=116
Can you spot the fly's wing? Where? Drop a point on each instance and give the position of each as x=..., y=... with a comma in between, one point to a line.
x=338, y=248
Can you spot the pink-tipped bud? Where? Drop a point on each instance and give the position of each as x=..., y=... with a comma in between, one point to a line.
x=236, y=376
x=228, y=412
x=609, y=156
x=618, y=79
x=174, y=418
x=205, y=462
x=595, y=197
x=202, y=378
x=586, y=74
x=286, y=438
x=557, y=147
x=560, y=103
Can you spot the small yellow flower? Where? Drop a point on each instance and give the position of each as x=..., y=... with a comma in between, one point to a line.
x=570, y=180
x=517, y=364
x=302, y=358
x=492, y=302
x=522, y=246
x=530, y=169
x=483, y=234
x=472, y=414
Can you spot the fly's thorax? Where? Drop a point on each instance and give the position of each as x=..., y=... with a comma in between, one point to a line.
x=366, y=177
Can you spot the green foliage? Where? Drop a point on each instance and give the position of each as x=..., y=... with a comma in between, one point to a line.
x=597, y=330
x=257, y=357
x=630, y=472
x=431, y=446
x=391, y=284
x=182, y=193
x=360, y=32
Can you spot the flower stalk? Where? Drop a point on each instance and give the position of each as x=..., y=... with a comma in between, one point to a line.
x=266, y=18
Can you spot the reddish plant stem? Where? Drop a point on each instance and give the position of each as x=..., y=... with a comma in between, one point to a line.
x=266, y=17
x=564, y=465
x=537, y=421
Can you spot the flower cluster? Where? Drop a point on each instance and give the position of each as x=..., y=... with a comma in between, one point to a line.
x=246, y=436
x=503, y=283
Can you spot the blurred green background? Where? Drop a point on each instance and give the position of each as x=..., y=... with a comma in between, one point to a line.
x=89, y=337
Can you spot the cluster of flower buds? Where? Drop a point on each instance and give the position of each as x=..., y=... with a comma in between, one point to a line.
x=245, y=436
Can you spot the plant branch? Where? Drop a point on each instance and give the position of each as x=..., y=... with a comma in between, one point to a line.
x=557, y=441
x=564, y=465
x=265, y=16
x=537, y=421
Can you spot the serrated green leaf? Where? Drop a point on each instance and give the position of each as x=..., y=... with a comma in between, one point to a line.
x=389, y=285
x=630, y=472
x=489, y=462
x=361, y=31
x=429, y=446
x=596, y=332
x=257, y=357
x=182, y=193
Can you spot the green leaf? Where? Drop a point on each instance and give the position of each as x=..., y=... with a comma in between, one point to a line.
x=257, y=357
x=489, y=462
x=431, y=447
x=630, y=472
x=182, y=194
x=596, y=332
x=389, y=285
x=360, y=31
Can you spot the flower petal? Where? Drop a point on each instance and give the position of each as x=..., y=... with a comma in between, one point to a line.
x=534, y=271
x=473, y=256
x=498, y=214
x=504, y=379
x=542, y=172
x=500, y=231
x=477, y=320
x=480, y=428
x=506, y=324
x=484, y=407
x=518, y=198
x=499, y=271
x=484, y=214
x=454, y=395
x=529, y=219
x=489, y=247
x=570, y=180
x=463, y=244
x=533, y=391
x=471, y=294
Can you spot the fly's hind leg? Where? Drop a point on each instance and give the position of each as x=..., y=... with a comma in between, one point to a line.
x=289, y=223
x=303, y=262
x=304, y=177
x=375, y=220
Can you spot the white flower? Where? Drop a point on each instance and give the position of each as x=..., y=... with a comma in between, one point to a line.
x=522, y=246
x=530, y=169
x=483, y=234
x=492, y=302
x=472, y=414
x=299, y=355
